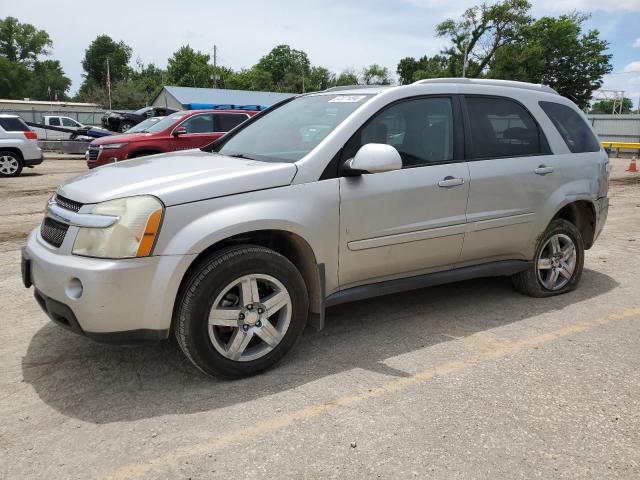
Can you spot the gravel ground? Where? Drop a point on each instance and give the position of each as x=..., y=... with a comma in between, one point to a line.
x=470, y=380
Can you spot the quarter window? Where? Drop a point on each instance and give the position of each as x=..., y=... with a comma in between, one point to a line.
x=228, y=121
x=501, y=128
x=54, y=121
x=574, y=130
x=420, y=129
x=199, y=124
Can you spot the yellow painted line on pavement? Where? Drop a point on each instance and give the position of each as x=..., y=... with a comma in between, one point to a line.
x=493, y=351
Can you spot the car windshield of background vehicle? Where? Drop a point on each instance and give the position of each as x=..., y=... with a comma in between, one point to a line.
x=142, y=111
x=144, y=125
x=165, y=123
x=291, y=131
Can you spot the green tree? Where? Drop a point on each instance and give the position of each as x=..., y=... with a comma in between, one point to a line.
x=22, y=42
x=606, y=106
x=320, y=78
x=411, y=70
x=48, y=81
x=347, y=77
x=95, y=58
x=375, y=74
x=482, y=31
x=190, y=68
x=14, y=79
x=287, y=68
x=554, y=51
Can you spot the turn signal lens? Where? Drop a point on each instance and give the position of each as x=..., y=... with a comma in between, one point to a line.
x=149, y=235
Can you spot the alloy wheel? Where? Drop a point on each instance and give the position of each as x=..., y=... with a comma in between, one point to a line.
x=9, y=165
x=556, y=262
x=250, y=317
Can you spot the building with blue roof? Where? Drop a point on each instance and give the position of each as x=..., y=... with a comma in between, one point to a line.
x=192, y=98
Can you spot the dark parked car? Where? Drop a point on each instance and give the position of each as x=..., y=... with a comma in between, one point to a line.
x=123, y=121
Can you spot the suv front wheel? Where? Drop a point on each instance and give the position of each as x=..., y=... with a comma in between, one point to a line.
x=240, y=311
x=557, y=266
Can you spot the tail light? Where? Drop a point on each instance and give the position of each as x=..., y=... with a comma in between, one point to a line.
x=31, y=135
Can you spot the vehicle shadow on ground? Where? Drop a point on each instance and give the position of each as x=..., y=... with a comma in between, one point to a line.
x=102, y=384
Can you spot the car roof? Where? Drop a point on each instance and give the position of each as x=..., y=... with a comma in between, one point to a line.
x=216, y=110
x=376, y=89
x=8, y=115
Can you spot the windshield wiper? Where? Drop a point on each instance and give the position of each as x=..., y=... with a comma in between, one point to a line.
x=241, y=155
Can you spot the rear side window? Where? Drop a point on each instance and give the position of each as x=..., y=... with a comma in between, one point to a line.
x=574, y=130
x=228, y=121
x=501, y=128
x=10, y=124
x=54, y=121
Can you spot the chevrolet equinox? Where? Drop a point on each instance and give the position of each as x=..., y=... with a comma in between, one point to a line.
x=324, y=198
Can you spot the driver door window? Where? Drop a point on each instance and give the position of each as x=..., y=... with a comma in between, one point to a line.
x=420, y=129
x=199, y=124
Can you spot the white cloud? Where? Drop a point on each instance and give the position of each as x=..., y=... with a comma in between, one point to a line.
x=588, y=5
x=632, y=67
x=637, y=43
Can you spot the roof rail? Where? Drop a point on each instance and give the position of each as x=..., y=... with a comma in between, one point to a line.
x=353, y=87
x=491, y=82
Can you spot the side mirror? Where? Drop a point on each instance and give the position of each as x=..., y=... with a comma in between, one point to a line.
x=374, y=158
x=179, y=131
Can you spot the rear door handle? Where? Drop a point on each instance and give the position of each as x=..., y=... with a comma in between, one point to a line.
x=543, y=170
x=450, y=181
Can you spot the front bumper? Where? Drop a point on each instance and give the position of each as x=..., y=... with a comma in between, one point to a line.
x=119, y=301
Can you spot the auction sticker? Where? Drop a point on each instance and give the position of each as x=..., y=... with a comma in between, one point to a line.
x=347, y=99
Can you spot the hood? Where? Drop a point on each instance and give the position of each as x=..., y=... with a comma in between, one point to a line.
x=175, y=178
x=125, y=137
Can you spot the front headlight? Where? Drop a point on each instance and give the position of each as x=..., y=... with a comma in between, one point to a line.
x=132, y=235
x=114, y=145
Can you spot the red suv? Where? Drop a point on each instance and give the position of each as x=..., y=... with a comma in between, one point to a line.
x=178, y=131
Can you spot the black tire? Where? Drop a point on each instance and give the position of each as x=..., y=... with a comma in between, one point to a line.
x=11, y=164
x=124, y=126
x=530, y=282
x=207, y=281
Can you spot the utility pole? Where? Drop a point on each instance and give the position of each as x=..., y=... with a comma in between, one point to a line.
x=215, y=66
x=109, y=83
x=464, y=61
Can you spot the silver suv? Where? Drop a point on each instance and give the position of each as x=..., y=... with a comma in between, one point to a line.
x=325, y=198
x=18, y=146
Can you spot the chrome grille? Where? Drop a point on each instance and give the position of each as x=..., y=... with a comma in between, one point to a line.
x=94, y=152
x=53, y=232
x=68, y=204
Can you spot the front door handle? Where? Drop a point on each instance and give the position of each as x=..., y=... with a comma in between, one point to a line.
x=450, y=181
x=543, y=170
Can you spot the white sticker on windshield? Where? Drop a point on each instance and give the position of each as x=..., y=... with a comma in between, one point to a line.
x=347, y=99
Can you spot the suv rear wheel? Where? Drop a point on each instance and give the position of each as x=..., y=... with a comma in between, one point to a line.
x=10, y=164
x=240, y=311
x=558, y=263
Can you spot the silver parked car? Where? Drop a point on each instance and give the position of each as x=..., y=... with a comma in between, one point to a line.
x=325, y=198
x=18, y=146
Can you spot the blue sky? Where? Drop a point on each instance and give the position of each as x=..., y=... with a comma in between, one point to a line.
x=336, y=34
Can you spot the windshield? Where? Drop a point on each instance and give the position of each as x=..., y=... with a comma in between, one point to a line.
x=291, y=131
x=144, y=125
x=165, y=123
x=142, y=111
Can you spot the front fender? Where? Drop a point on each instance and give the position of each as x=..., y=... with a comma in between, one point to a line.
x=310, y=211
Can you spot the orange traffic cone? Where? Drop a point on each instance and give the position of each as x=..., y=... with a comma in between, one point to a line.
x=632, y=166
